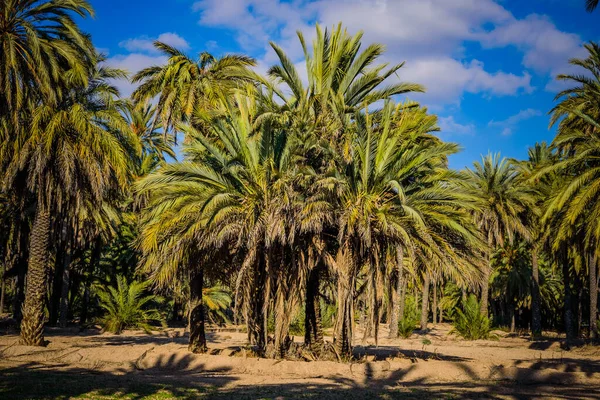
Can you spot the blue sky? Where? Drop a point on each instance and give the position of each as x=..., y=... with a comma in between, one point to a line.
x=488, y=66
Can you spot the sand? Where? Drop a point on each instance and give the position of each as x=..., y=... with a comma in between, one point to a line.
x=433, y=365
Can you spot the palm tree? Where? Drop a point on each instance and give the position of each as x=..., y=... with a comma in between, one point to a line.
x=540, y=156
x=502, y=200
x=185, y=86
x=575, y=204
x=41, y=47
x=152, y=145
x=391, y=192
x=342, y=80
x=222, y=197
x=70, y=155
x=590, y=5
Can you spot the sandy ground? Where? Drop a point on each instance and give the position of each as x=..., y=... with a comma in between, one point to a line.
x=433, y=365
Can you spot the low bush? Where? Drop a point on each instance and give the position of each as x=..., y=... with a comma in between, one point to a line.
x=128, y=306
x=470, y=323
x=408, y=322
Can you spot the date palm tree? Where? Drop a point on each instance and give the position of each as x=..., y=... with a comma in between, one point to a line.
x=153, y=146
x=221, y=197
x=41, y=47
x=185, y=86
x=502, y=199
x=392, y=191
x=70, y=155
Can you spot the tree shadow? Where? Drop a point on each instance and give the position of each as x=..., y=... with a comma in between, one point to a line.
x=181, y=378
x=167, y=377
x=381, y=353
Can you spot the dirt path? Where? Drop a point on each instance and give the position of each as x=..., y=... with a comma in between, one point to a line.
x=435, y=365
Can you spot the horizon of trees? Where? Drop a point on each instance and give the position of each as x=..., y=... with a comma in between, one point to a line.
x=313, y=202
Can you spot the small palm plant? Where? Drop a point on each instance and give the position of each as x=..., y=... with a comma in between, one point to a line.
x=128, y=307
x=409, y=320
x=470, y=323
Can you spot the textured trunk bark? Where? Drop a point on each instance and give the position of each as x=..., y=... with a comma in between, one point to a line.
x=197, y=343
x=343, y=334
x=568, y=303
x=32, y=326
x=485, y=288
x=513, y=324
x=345, y=304
x=396, y=310
x=425, y=302
x=256, y=317
x=402, y=306
x=283, y=318
x=313, y=329
x=593, y=297
x=536, y=316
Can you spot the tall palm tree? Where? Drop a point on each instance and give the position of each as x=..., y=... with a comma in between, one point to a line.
x=185, y=86
x=590, y=5
x=222, y=197
x=502, y=200
x=41, y=47
x=539, y=156
x=70, y=155
x=575, y=203
x=391, y=192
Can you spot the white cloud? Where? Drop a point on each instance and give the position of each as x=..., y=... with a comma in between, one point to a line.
x=449, y=126
x=132, y=63
x=142, y=55
x=428, y=34
x=545, y=48
x=511, y=122
x=145, y=43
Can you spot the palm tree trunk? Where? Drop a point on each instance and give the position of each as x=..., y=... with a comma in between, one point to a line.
x=485, y=287
x=425, y=302
x=397, y=295
x=513, y=323
x=197, y=343
x=283, y=318
x=568, y=303
x=32, y=326
x=536, y=316
x=345, y=303
x=256, y=318
x=313, y=329
x=593, y=296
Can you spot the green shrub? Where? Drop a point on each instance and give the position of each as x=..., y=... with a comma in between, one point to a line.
x=409, y=320
x=128, y=307
x=470, y=323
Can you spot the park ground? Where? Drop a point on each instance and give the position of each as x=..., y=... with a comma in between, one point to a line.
x=135, y=365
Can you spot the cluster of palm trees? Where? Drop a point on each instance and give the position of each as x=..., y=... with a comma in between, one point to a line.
x=293, y=189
